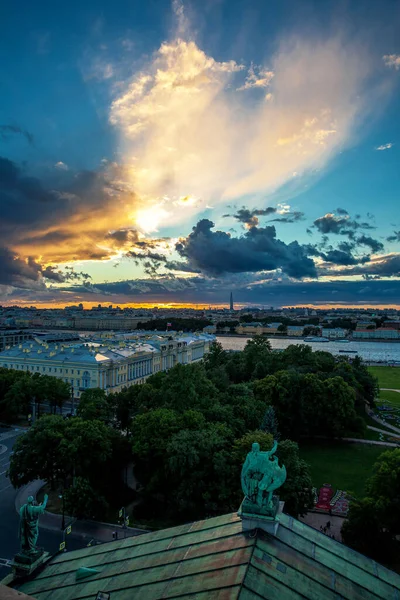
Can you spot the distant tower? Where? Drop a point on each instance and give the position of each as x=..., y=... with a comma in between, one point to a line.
x=231, y=302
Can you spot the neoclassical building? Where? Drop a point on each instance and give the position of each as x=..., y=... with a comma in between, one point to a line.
x=109, y=364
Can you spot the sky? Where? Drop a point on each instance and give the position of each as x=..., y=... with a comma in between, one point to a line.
x=166, y=152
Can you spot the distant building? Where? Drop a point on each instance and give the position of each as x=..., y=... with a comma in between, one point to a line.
x=210, y=329
x=250, y=328
x=117, y=323
x=377, y=334
x=272, y=327
x=10, y=338
x=295, y=330
x=109, y=365
x=334, y=333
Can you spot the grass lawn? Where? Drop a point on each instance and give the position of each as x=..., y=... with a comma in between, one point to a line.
x=388, y=377
x=345, y=466
x=390, y=397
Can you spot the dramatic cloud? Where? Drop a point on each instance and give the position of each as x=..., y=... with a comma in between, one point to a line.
x=289, y=217
x=340, y=225
x=69, y=219
x=19, y=273
x=250, y=217
x=216, y=252
x=257, y=78
x=392, y=60
x=385, y=146
x=374, y=244
x=395, y=237
x=271, y=291
x=185, y=130
x=6, y=131
x=384, y=266
x=339, y=257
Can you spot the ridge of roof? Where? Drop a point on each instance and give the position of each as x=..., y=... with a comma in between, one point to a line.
x=214, y=558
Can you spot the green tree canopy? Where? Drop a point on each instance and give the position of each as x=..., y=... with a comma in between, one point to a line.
x=94, y=405
x=373, y=523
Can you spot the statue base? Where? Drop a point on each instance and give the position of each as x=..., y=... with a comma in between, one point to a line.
x=25, y=564
x=257, y=517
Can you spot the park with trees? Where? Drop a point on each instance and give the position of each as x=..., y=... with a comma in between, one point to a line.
x=186, y=433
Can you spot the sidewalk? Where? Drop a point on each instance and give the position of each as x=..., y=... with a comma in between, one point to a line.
x=101, y=532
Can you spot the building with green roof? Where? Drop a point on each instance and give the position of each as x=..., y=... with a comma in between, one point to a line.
x=217, y=559
x=260, y=552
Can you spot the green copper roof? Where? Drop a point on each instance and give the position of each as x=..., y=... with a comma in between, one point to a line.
x=214, y=559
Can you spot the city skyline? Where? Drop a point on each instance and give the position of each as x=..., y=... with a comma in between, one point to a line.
x=166, y=153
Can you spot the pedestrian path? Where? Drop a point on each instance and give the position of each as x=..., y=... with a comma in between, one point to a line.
x=378, y=420
x=384, y=431
x=372, y=442
x=9, y=434
x=389, y=390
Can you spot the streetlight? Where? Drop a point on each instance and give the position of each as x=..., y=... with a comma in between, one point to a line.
x=61, y=496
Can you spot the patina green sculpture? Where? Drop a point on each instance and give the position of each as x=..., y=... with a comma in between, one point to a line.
x=29, y=526
x=261, y=476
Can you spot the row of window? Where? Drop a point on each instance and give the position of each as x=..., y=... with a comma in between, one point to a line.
x=49, y=369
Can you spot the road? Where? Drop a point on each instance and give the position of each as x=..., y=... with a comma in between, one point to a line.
x=9, y=520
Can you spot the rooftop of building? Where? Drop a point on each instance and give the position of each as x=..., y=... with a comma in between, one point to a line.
x=93, y=352
x=216, y=559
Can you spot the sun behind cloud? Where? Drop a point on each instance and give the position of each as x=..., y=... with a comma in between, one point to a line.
x=190, y=125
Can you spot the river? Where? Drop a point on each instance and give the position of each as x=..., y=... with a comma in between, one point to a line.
x=374, y=352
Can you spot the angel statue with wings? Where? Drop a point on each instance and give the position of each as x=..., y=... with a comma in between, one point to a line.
x=261, y=476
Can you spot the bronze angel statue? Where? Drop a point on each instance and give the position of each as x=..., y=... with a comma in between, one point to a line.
x=261, y=476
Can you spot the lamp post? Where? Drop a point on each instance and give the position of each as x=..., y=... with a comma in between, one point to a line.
x=63, y=511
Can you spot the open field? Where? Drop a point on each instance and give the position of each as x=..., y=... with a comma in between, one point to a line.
x=388, y=397
x=344, y=465
x=388, y=377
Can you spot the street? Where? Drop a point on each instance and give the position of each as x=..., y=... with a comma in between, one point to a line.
x=9, y=520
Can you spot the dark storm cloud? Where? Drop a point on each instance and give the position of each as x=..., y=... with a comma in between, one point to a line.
x=216, y=252
x=28, y=273
x=290, y=217
x=338, y=257
x=250, y=217
x=385, y=266
x=65, y=219
x=123, y=236
x=341, y=211
x=380, y=267
x=19, y=273
x=198, y=289
x=71, y=275
x=395, y=237
x=17, y=190
x=6, y=131
x=346, y=246
x=374, y=244
x=340, y=225
x=148, y=255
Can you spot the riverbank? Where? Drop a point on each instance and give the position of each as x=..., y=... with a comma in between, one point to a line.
x=303, y=338
x=373, y=353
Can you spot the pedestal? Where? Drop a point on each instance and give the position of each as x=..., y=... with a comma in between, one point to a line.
x=24, y=564
x=254, y=517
